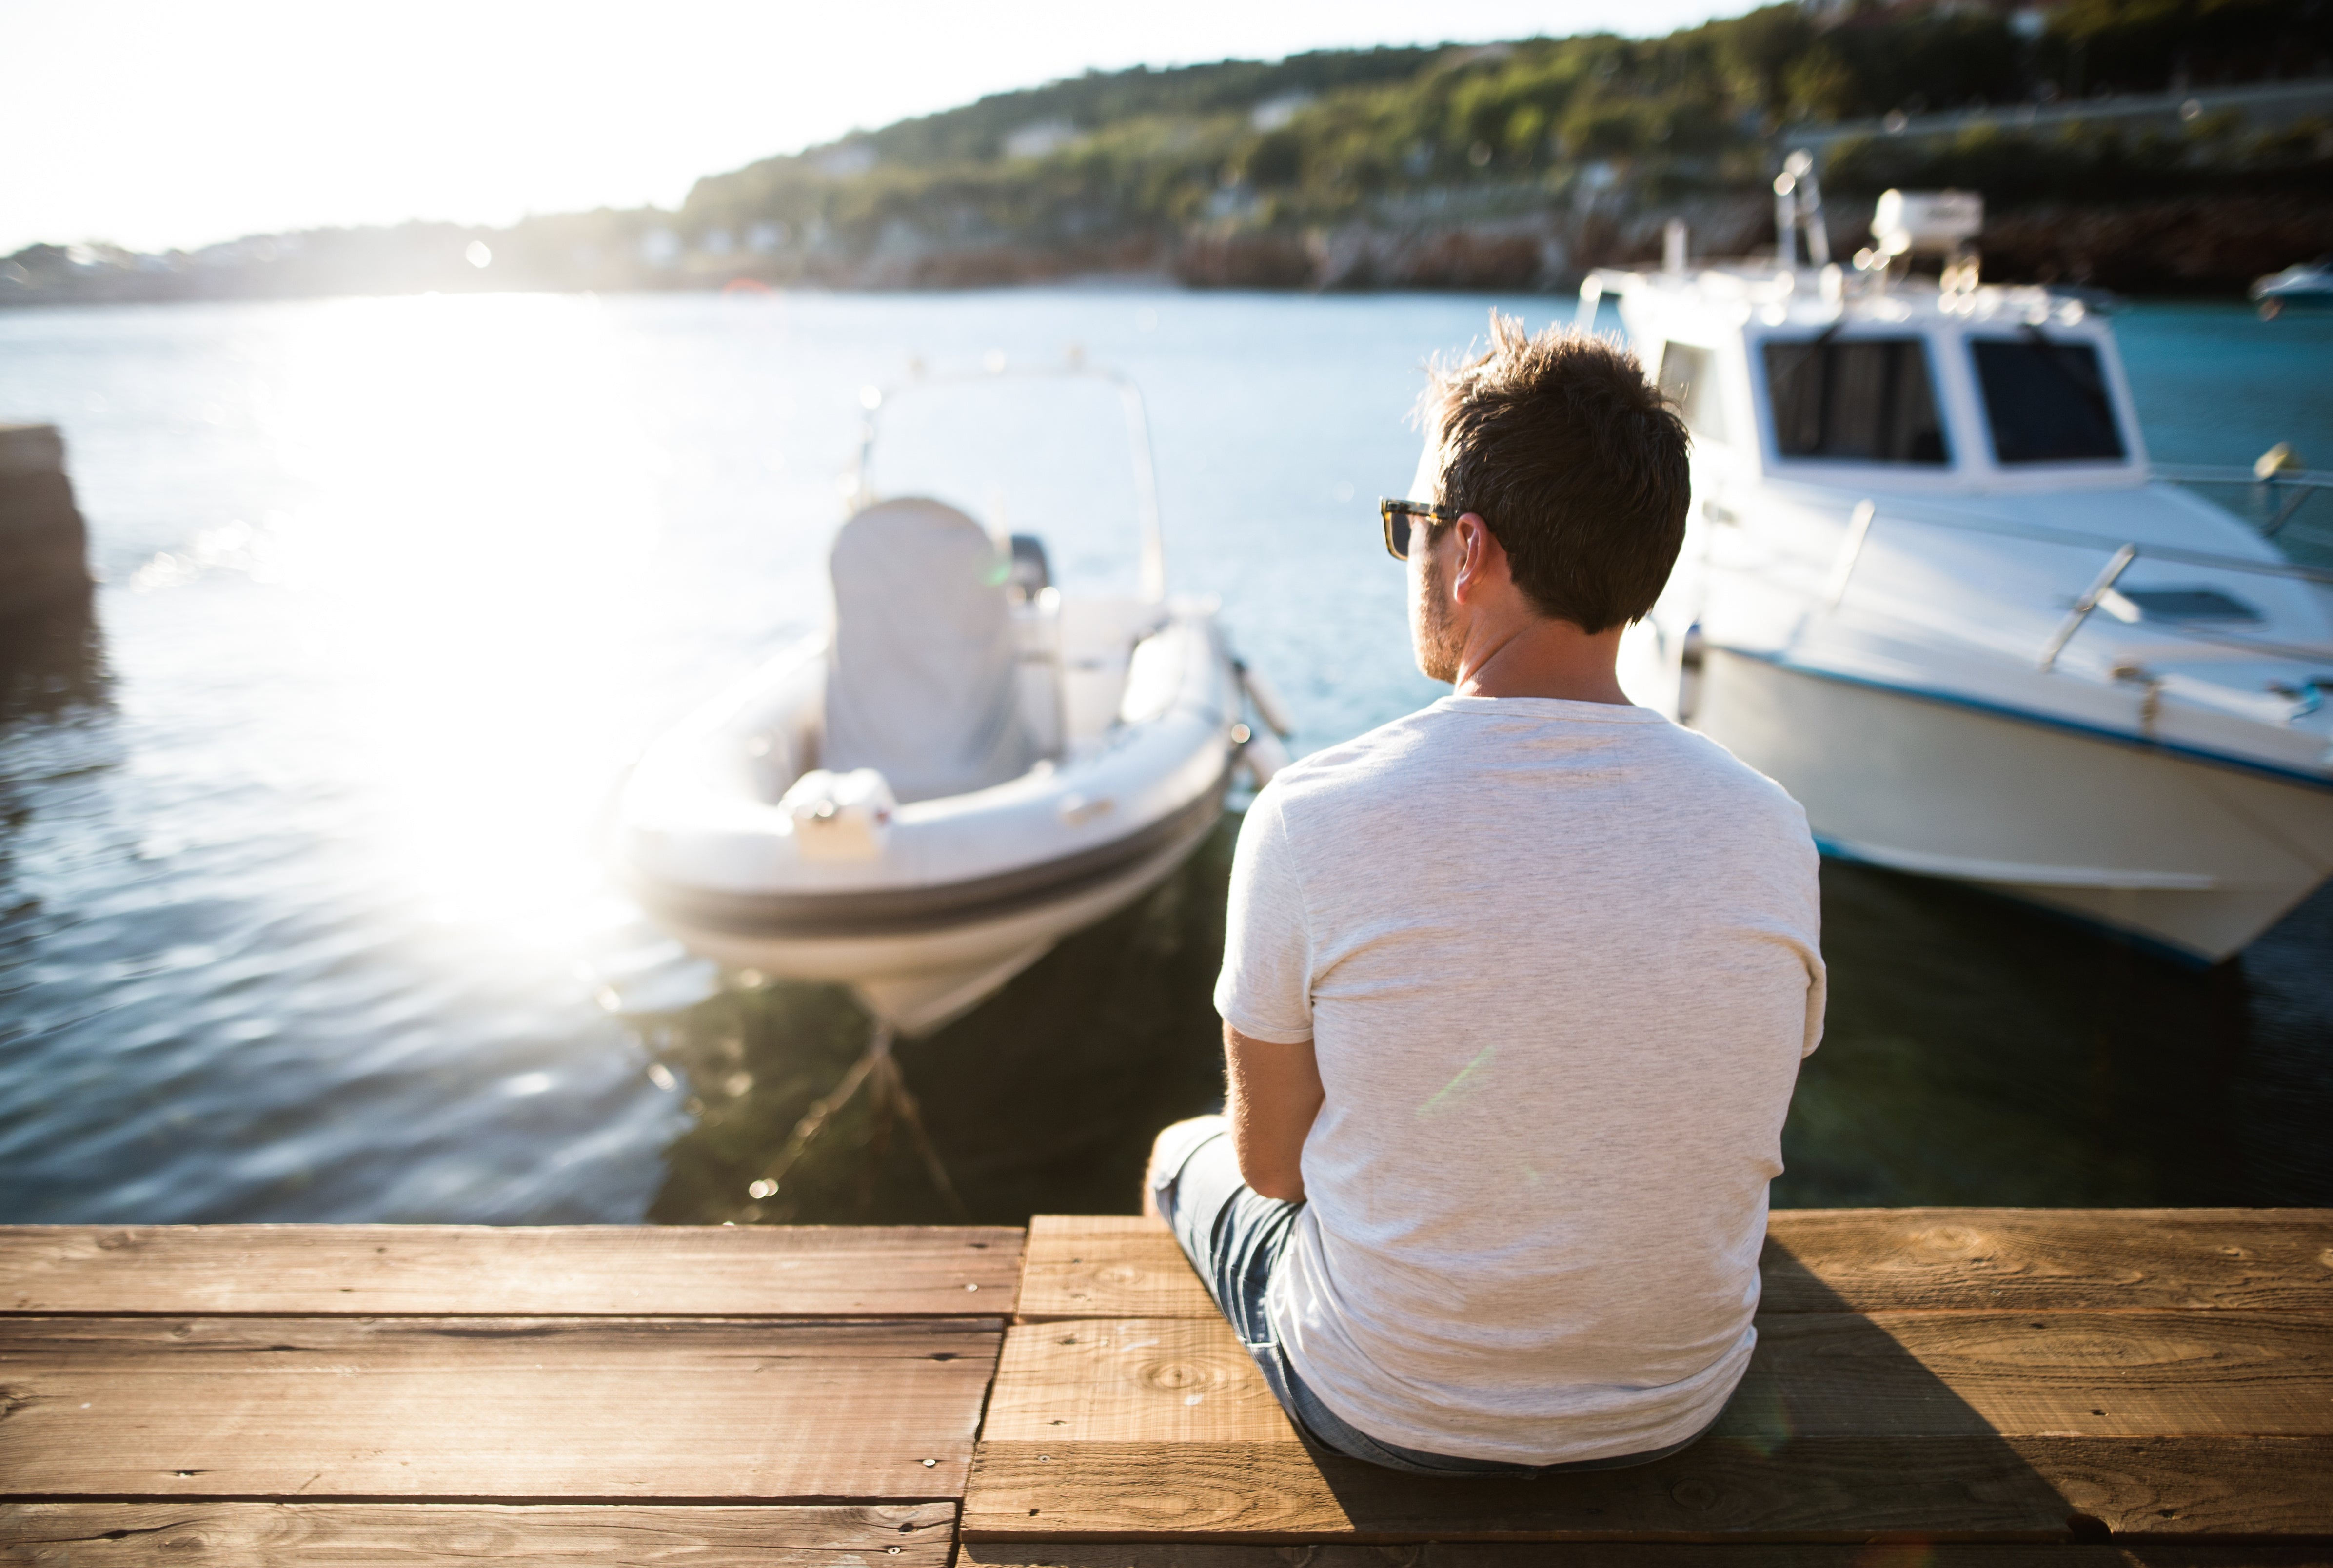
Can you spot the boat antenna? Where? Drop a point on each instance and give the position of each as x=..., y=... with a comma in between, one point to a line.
x=1786, y=220
x=871, y=398
x=1145, y=489
x=1801, y=163
x=1137, y=430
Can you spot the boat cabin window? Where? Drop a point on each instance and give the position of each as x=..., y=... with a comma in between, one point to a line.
x=2046, y=401
x=1687, y=380
x=1859, y=400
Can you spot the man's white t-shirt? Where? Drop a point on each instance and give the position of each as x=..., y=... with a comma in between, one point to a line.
x=1558, y=962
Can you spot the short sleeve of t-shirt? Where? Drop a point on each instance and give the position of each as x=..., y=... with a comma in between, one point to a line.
x=1266, y=990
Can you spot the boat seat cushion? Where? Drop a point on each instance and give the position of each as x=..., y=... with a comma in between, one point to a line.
x=921, y=685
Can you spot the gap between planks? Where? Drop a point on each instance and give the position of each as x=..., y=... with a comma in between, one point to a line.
x=1630, y=1554
x=1837, y=1489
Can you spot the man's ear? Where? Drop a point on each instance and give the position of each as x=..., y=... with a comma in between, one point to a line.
x=1481, y=561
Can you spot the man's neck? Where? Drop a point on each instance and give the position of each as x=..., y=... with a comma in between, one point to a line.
x=1537, y=657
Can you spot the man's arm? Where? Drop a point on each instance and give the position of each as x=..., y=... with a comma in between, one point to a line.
x=1273, y=1094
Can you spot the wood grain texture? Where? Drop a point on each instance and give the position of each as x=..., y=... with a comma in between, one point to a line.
x=1131, y=1380
x=421, y=1535
x=1628, y=1554
x=2124, y=1374
x=493, y=1409
x=2035, y=1259
x=2060, y=1374
x=1949, y=1489
x=1838, y=1259
x=1106, y=1266
x=569, y=1271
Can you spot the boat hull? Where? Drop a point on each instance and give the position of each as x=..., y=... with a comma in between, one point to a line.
x=923, y=968
x=2193, y=855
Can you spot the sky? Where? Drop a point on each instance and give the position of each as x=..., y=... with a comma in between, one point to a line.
x=158, y=123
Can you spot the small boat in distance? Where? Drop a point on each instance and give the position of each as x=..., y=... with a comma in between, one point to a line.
x=972, y=764
x=1932, y=585
x=2302, y=283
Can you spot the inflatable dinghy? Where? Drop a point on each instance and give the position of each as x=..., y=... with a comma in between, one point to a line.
x=971, y=765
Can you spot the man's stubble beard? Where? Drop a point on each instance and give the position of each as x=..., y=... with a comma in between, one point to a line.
x=1432, y=632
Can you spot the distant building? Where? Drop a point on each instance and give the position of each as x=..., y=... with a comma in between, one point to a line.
x=847, y=161
x=1040, y=138
x=660, y=248
x=1274, y=113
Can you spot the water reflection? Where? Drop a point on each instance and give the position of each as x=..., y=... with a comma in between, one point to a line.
x=1979, y=1052
x=300, y=915
x=51, y=661
x=1041, y=1101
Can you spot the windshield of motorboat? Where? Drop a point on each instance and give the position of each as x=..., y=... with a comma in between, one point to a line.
x=1855, y=399
x=2045, y=400
x=1688, y=380
x=1049, y=456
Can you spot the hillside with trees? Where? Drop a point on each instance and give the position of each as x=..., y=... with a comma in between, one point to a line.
x=1506, y=165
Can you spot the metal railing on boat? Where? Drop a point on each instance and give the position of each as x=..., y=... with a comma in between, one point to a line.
x=2285, y=489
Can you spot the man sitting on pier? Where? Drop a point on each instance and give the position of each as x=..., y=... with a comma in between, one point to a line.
x=1515, y=989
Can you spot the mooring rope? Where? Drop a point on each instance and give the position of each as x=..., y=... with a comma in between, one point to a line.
x=891, y=1093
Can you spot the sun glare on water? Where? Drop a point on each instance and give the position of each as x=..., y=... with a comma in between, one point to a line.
x=471, y=501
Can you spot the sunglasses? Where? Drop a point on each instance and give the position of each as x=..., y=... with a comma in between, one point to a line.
x=1398, y=514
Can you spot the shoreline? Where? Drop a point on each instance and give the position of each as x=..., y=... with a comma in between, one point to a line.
x=2180, y=247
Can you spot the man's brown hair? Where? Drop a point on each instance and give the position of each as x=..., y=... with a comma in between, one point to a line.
x=1575, y=461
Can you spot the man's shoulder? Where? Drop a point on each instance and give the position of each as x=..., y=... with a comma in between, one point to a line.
x=1434, y=749
x=1722, y=771
x=1356, y=766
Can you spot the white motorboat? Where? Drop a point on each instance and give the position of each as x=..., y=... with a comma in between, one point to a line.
x=971, y=765
x=2302, y=283
x=1932, y=585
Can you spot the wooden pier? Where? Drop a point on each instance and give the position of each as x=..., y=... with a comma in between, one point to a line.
x=1933, y=1389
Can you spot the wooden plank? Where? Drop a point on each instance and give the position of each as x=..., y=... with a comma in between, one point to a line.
x=1627, y=1554
x=1834, y=1260
x=1131, y=1380
x=420, y=1535
x=568, y=1271
x=1845, y=1422
x=1966, y=1488
x=2034, y=1260
x=489, y=1409
x=1106, y=1266
x=2065, y=1374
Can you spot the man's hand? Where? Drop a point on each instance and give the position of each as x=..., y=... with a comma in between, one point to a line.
x=1273, y=1095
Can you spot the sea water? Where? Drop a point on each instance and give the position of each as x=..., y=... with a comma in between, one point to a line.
x=301, y=911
